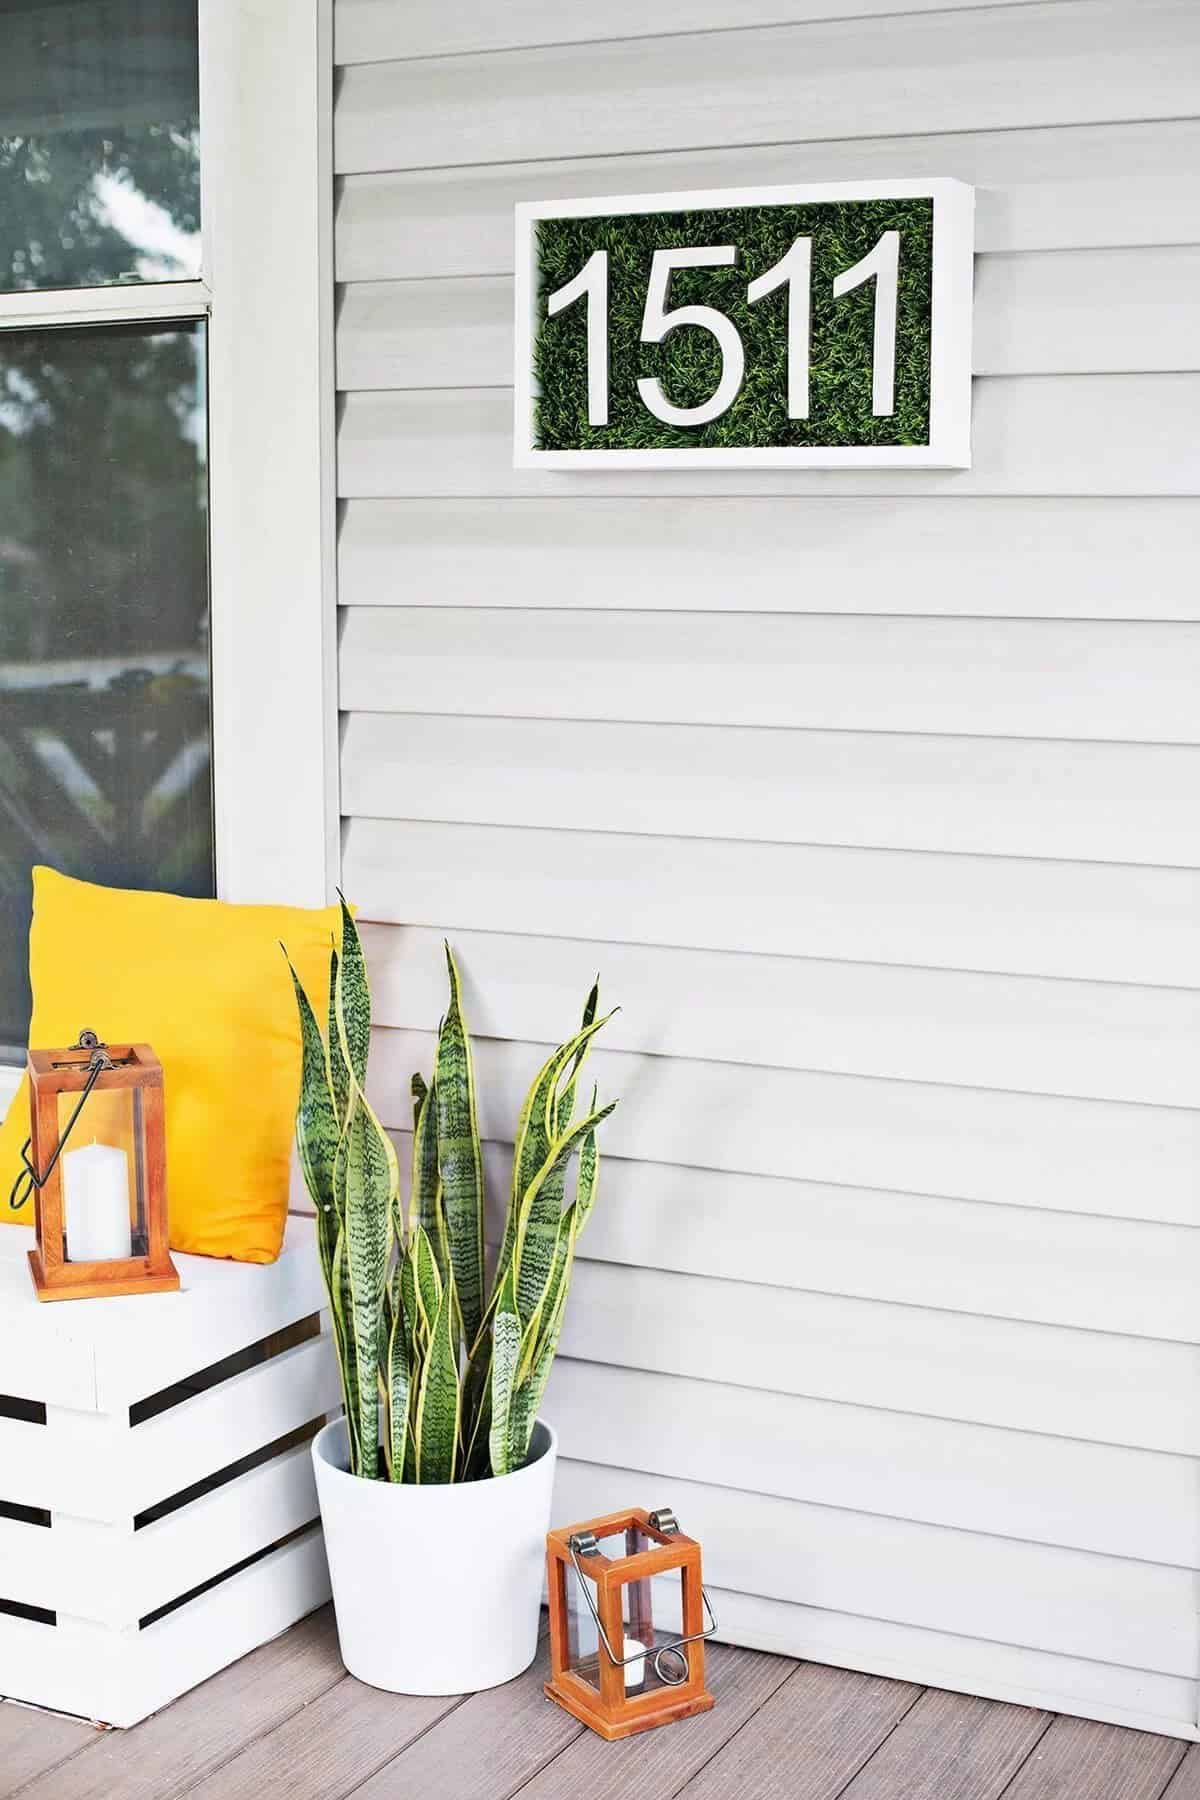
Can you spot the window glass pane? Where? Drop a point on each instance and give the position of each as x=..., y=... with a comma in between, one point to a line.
x=99, y=142
x=105, y=732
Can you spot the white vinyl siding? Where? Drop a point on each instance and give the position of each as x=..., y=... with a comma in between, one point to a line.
x=872, y=796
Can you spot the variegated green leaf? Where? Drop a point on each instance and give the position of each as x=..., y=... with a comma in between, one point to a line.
x=339, y=1072
x=566, y=1101
x=589, y=1175
x=428, y=1284
x=477, y=1412
x=528, y=1398
x=547, y=1300
x=399, y=1386
x=365, y=1175
x=460, y=1163
x=425, y=1202
x=535, y=1136
x=352, y=1008
x=438, y=1401
x=537, y=1230
x=317, y=1129
x=506, y=1357
x=342, y=1311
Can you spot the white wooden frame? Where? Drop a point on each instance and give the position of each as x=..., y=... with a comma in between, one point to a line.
x=265, y=290
x=949, y=443
x=78, y=1457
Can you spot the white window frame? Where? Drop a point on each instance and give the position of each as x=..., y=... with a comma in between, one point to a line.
x=266, y=292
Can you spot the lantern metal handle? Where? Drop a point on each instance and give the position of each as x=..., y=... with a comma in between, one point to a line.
x=99, y=1063
x=583, y=1543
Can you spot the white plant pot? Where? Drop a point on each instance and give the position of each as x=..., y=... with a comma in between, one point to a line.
x=437, y=1590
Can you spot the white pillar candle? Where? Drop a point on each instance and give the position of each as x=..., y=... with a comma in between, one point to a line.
x=96, y=1193
x=635, y=1671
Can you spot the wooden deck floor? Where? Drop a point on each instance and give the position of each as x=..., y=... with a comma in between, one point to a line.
x=288, y=1721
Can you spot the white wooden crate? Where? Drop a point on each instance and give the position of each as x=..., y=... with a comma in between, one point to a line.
x=158, y=1517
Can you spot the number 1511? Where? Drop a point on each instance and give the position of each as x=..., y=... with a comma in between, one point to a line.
x=793, y=272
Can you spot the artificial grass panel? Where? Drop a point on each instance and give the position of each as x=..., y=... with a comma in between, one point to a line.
x=688, y=361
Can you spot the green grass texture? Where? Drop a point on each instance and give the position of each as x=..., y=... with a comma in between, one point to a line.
x=688, y=361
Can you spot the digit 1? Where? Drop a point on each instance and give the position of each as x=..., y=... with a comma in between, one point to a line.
x=883, y=263
x=591, y=284
x=794, y=272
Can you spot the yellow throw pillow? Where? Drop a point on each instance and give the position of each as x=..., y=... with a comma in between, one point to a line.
x=204, y=984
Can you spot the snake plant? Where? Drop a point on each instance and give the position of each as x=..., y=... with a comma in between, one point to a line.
x=442, y=1370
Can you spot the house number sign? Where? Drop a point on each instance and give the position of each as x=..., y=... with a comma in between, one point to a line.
x=818, y=327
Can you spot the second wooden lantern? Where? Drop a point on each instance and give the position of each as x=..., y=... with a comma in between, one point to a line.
x=611, y=1664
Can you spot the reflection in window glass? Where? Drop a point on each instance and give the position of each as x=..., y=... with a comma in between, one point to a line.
x=105, y=733
x=99, y=142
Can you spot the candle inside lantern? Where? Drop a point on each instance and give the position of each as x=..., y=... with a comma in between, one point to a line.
x=96, y=1194
x=635, y=1671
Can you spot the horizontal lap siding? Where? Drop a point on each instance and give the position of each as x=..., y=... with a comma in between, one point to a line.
x=872, y=796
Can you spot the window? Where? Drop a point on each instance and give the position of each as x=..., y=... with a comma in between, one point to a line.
x=105, y=717
x=165, y=406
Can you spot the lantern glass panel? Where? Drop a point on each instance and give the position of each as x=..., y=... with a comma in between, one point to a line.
x=651, y=1617
x=104, y=1197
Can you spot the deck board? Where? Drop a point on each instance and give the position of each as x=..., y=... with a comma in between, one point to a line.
x=168, y=1754
x=32, y=1743
x=951, y=1747
x=485, y=1749
x=809, y=1739
x=288, y=1720
x=330, y=1748
x=656, y=1764
x=1089, y=1761
x=1185, y=1783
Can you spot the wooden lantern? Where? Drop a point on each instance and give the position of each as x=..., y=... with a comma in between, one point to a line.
x=610, y=1666
x=101, y=1200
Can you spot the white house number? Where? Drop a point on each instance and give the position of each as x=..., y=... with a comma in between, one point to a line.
x=793, y=271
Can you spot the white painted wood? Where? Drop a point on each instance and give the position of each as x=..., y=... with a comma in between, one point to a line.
x=1092, y=1385
x=183, y=1649
x=1005, y=558
x=1139, y=1614
x=374, y=31
x=120, y=1677
x=1090, y=186
x=1030, y=679
x=92, y=1354
x=991, y=796
x=1079, y=312
x=132, y=301
x=937, y=1393
x=960, y=1142
x=94, y=1472
x=218, y=1427
x=1074, y=312
x=1127, y=1275
x=29, y=1565
x=1097, y=1040
x=1097, y=922
x=217, y=1530
x=207, y=1321
x=1008, y=1672
x=937, y=1471
x=1060, y=435
x=266, y=199
x=10, y=1079
x=965, y=70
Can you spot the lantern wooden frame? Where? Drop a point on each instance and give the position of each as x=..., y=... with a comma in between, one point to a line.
x=66, y=1071
x=610, y=1711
